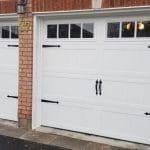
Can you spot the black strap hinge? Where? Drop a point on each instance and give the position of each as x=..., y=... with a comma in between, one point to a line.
x=147, y=114
x=13, y=45
x=49, y=101
x=46, y=46
x=9, y=96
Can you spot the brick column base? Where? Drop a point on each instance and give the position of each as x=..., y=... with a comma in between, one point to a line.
x=25, y=123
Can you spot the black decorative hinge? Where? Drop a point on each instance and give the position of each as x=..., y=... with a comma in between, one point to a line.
x=13, y=45
x=147, y=114
x=46, y=46
x=9, y=96
x=49, y=101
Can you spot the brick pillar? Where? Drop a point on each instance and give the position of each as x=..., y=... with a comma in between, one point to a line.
x=25, y=67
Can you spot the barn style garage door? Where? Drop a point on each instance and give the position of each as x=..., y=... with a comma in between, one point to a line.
x=8, y=70
x=96, y=77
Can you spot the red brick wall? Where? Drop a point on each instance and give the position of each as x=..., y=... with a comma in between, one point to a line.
x=8, y=6
x=124, y=3
x=54, y=5
x=25, y=67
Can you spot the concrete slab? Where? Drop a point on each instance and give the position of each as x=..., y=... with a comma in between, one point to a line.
x=39, y=137
x=11, y=131
x=96, y=139
x=59, y=139
x=69, y=143
x=65, y=142
x=97, y=146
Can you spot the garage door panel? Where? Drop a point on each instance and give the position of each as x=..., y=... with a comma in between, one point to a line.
x=8, y=107
x=72, y=60
x=6, y=43
x=96, y=122
x=127, y=61
x=9, y=59
x=131, y=93
x=67, y=117
x=71, y=44
x=125, y=126
x=69, y=87
x=126, y=45
x=9, y=81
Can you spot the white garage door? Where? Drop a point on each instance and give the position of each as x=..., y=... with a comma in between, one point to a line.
x=96, y=77
x=8, y=70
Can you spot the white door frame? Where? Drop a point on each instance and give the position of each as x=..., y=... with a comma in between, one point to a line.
x=37, y=52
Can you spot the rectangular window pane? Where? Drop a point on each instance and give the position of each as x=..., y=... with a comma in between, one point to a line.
x=88, y=30
x=128, y=29
x=52, y=31
x=63, y=30
x=113, y=30
x=14, y=32
x=143, y=29
x=75, y=31
x=5, y=32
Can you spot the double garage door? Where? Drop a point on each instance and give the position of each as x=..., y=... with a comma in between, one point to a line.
x=95, y=76
x=8, y=70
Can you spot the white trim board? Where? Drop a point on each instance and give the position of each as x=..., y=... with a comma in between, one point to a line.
x=12, y=16
x=119, y=11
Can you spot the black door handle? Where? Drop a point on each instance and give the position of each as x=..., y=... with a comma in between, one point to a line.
x=9, y=96
x=13, y=45
x=147, y=114
x=49, y=101
x=46, y=46
x=96, y=87
x=149, y=46
x=100, y=87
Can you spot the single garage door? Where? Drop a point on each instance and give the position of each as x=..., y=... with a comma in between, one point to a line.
x=96, y=77
x=8, y=70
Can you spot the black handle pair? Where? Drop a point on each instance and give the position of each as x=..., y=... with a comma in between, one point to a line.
x=98, y=87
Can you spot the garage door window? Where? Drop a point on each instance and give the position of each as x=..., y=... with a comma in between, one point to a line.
x=9, y=32
x=88, y=30
x=5, y=32
x=52, y=31
x=75, y=31
x=14, y=32
x=63, y=31
x=113, y=30
x=143, y=29
x=70, y=31
x=128, y=29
